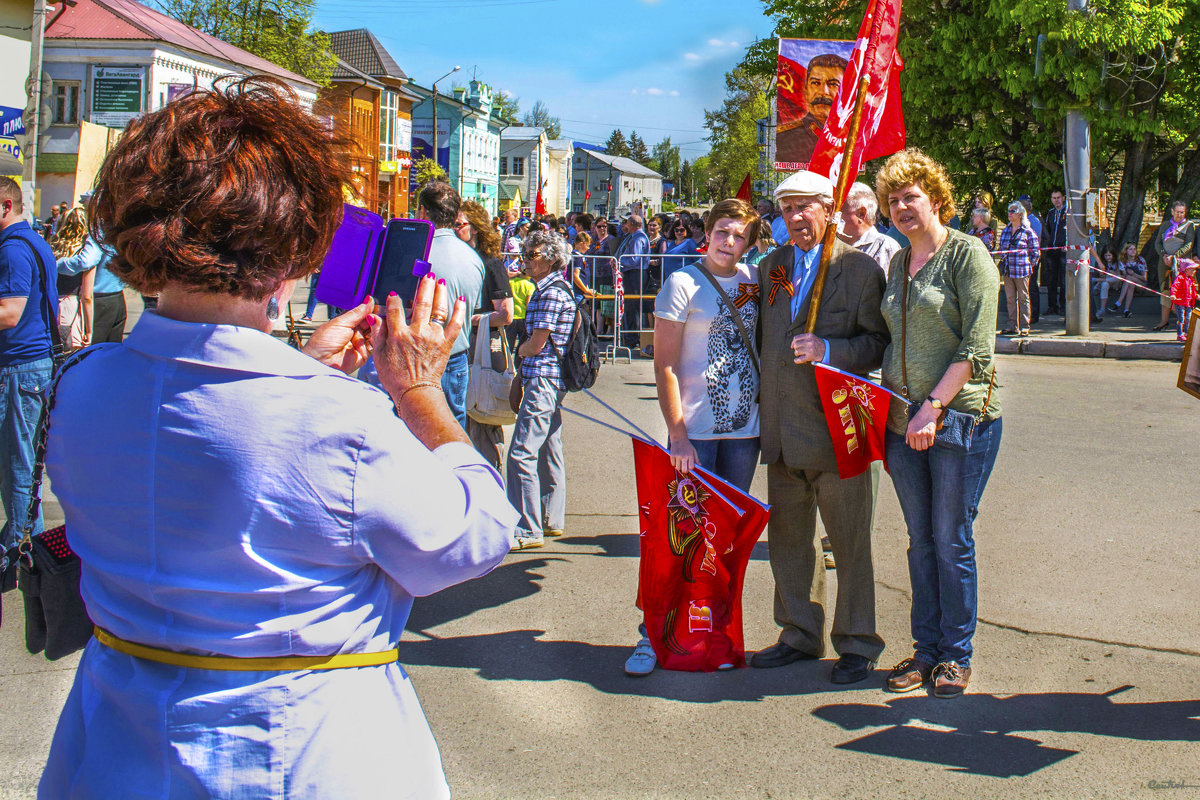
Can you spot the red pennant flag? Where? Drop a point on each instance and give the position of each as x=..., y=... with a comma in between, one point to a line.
x=587, y=195
x=697, y=536
x=743, y=192
x=856, y=412
x=881, y=131
x=540, y=205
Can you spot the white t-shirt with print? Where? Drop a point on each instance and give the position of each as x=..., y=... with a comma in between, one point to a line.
x=718, y=385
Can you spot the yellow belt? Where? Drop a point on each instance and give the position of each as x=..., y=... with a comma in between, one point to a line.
x=235, y=664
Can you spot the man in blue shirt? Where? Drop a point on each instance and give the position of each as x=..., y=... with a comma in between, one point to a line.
x=28, y=307
x=633, y=254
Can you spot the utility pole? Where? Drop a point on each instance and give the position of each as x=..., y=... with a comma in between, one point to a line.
x=435, y=125
x=1078, y=167
x=33, y=115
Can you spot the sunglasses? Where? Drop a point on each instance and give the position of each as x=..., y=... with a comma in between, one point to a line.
x=533, y=254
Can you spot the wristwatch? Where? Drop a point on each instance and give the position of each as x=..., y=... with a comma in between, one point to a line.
x=937, y=404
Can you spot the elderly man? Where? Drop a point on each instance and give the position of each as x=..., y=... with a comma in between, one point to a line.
x=858, y=226
x=1175, y=238
x=802, y=475
x=822, y=80
x=633, y=254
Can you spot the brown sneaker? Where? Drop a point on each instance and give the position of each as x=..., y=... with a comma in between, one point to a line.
x=950, y=680
x=909, y=674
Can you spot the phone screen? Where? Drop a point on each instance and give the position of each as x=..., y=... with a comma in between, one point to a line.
x=347, y=274
x=406, y=242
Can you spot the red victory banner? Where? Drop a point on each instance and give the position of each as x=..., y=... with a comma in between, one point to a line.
x=697, y=536
x=877, y=64
x=808, y=75
x=856, y=412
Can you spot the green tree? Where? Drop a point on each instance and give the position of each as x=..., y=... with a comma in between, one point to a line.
x=540, y=117
x=506, y=107
x=665, y=160
x=426, y=171
x=278, y=30
x=733, y=132
x=975, y=101
x=616, y=144
x=637, y=149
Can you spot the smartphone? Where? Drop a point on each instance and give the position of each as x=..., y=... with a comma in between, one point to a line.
x=401, y=262
x=369, y=258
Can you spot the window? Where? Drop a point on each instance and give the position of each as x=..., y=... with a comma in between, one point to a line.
x=389, y=104
x=65, y=103
x=577, y=186
x=503, y=165
x=577, y=208
x=518, y=166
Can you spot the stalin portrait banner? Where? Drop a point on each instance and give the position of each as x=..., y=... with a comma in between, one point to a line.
x=807, y=78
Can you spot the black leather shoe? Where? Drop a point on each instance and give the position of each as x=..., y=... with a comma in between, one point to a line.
x=852, y=668
x=778, y=655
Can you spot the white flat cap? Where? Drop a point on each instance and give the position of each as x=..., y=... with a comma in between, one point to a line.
x=808, y=184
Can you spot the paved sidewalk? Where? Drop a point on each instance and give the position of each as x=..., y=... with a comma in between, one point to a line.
x=1116, y=337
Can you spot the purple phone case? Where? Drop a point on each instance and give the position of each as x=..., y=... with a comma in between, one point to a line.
x=352, y=264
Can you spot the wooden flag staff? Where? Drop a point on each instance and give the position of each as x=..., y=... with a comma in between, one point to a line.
x=844, y=176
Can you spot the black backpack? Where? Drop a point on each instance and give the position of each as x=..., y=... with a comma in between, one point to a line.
x=580, y=359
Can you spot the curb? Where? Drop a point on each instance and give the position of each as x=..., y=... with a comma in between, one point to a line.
x=1089, y=348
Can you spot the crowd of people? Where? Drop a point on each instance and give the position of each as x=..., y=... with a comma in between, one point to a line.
x=246, y=635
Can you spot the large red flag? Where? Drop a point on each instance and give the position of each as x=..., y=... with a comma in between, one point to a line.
x=856, y=412
x=697, y=536
x=881, y=131
x=540, y=205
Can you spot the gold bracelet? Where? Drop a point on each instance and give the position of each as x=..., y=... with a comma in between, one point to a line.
x=417, y=385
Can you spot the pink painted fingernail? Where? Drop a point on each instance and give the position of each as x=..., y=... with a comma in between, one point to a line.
x=431, y=275
x=371, y=321
x=392, y=294
x=441, y=281
x=462, y=299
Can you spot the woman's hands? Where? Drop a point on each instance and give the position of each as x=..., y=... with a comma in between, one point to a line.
x=922, y=428
x=342, y=342
x=416, y=352
x=683, y=455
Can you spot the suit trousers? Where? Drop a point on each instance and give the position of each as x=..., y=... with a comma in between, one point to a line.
x=1035, y=293
x=848, y=509
x=1054, y=264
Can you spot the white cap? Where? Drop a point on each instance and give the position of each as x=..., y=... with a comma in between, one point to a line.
x=808, y=184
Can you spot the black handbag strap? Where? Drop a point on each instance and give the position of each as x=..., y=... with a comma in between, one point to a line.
x=733, y=312
x=39, y=451
x=57, y=354
x=987, y=402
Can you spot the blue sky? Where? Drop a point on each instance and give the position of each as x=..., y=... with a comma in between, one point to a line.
x=646, y=65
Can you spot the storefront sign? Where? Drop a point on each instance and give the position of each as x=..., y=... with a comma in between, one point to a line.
x=117, y=95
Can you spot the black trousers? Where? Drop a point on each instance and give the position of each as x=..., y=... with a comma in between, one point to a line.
x=636, y=281
x=108, y=317
x=1035, y=294
x=1054, y=267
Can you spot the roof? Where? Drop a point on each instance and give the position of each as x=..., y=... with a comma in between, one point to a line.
x=626, y=166
x=130, y=20
x=344, y=72
x=360, y=49
x=509, y=191
x=518, y=132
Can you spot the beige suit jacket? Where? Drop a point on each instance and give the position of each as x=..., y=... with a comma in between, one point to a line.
x=792, y=423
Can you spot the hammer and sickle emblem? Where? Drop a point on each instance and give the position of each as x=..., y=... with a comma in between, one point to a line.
x=689, y=494
x=788, y=82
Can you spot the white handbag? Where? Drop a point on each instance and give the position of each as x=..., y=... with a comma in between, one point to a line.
x=488, y=386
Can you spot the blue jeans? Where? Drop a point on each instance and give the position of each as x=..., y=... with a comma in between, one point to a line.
x=454, y=385
x=22, y=395
x=939, y=492
x=536, y=472
x=732, y=459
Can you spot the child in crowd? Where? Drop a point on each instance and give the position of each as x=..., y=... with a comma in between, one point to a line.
x=1183, y=295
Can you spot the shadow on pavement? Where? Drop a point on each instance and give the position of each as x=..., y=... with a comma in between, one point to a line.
x=628, y=545
x=979, y=738
x=522, y=656
x=510, y=581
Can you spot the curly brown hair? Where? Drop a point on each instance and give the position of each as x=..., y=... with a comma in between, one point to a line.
x=487, y=238
x=913, y=166
x=72, y=233
x=229, y=191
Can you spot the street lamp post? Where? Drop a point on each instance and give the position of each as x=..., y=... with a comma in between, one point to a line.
x=435, y=105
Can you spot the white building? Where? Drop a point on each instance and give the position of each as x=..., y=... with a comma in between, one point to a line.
x=615, y=183
x=112, y=60
x=559, y=173
x=524, y=162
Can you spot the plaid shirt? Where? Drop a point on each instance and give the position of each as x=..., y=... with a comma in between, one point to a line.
x=550, y=308
x=1023, y=240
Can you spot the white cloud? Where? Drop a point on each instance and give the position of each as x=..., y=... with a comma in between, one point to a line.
x=635, y=91
x=691, y=56
x=735, y=44
x=674, y=93
x=716, y=43
x=653, y=90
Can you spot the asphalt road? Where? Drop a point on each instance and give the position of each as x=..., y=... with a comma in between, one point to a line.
x=1085, y=674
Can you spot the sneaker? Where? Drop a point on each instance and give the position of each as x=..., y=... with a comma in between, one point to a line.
x=1114, y=309
x=306, y=318
x=552, y=531
x=911, y=673
x=950, y=680
x=643, y=660
x=1025, y=331
x=527, y=542
x=1127, y=314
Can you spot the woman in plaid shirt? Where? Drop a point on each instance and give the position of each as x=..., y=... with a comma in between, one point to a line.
x=1016, y=267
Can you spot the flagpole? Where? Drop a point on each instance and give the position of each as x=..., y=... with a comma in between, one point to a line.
x=844, y=176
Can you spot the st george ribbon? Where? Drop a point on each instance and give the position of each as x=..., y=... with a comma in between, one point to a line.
x=697, y=534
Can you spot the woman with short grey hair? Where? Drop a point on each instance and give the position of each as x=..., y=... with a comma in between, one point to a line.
x=556, y=248
x=1019, y=256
